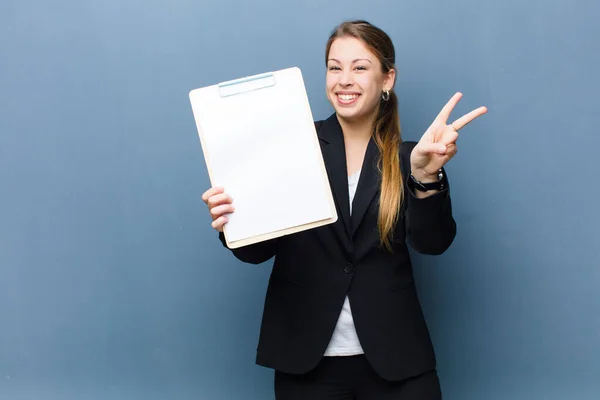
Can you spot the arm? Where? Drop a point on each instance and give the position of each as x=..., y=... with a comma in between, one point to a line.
x=431, y=228
x=255, y=253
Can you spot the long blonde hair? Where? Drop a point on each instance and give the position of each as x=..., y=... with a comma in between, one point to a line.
x=386, y=129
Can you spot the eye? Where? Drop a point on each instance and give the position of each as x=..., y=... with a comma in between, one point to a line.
x=361, y=68
x=334, y=68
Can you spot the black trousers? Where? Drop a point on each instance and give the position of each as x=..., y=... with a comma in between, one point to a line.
x=352, y=378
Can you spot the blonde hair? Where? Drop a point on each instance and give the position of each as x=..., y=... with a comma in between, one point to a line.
x=386, y=129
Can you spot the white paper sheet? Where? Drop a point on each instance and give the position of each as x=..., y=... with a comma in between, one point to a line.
x=261, y=147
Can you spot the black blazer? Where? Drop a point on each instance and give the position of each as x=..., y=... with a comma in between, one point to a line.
x=314, y=270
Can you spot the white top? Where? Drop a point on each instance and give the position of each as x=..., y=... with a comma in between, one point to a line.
x=344, y=341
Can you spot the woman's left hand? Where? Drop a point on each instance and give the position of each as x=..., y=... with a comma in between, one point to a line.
x=438, y=144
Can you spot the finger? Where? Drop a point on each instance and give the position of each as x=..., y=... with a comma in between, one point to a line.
x=451, y=151
x=449, y=136
x=219, y=222
x=211, y=192
x=218, y=199
x=467, y=118
x=447, y=109
x=222, y=209
x=431, y=148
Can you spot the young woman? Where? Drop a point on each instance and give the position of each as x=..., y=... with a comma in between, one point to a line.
x=342, y=319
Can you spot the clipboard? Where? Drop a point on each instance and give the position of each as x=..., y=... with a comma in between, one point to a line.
x=259, y=142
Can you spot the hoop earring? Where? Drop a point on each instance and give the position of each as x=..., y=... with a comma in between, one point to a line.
x=385, y=96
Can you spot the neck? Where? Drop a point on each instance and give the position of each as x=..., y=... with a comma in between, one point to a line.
x=360, y=130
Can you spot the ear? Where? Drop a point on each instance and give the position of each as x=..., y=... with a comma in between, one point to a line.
x=389, y=80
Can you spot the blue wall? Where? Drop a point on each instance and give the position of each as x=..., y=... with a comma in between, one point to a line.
x=112, y=284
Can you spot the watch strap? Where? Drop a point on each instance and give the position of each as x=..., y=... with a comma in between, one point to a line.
x=425, y=187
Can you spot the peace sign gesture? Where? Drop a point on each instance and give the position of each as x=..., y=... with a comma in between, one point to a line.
x=438, y=145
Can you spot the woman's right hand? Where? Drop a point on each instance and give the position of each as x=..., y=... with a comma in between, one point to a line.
x=219, y=203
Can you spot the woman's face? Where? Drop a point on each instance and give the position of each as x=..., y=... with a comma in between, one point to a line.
x=355, y=81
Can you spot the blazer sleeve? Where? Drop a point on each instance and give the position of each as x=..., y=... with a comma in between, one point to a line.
x=431, y=228
x=255, y=253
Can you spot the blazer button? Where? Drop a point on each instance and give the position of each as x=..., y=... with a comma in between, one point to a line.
x=349, y=268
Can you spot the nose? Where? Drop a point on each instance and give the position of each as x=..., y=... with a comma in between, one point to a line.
x=346, y=78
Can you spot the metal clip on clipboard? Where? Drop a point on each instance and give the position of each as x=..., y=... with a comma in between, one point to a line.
x=248, y=84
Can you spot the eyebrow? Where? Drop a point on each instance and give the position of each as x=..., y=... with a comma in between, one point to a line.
x=353, y=61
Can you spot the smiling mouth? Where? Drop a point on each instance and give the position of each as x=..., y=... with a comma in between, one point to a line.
x=347, y=98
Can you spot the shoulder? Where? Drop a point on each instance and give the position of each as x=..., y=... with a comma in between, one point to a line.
x=330, y=122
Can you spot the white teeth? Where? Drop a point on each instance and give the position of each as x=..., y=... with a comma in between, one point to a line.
x=347, y=97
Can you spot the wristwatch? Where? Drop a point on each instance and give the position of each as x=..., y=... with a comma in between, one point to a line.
x=424, y=187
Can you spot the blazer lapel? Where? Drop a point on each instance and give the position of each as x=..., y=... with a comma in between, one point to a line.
x=368, y=186
x=334, y=155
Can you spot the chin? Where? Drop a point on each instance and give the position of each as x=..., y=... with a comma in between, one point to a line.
x=345, y=112
x=349, y=114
